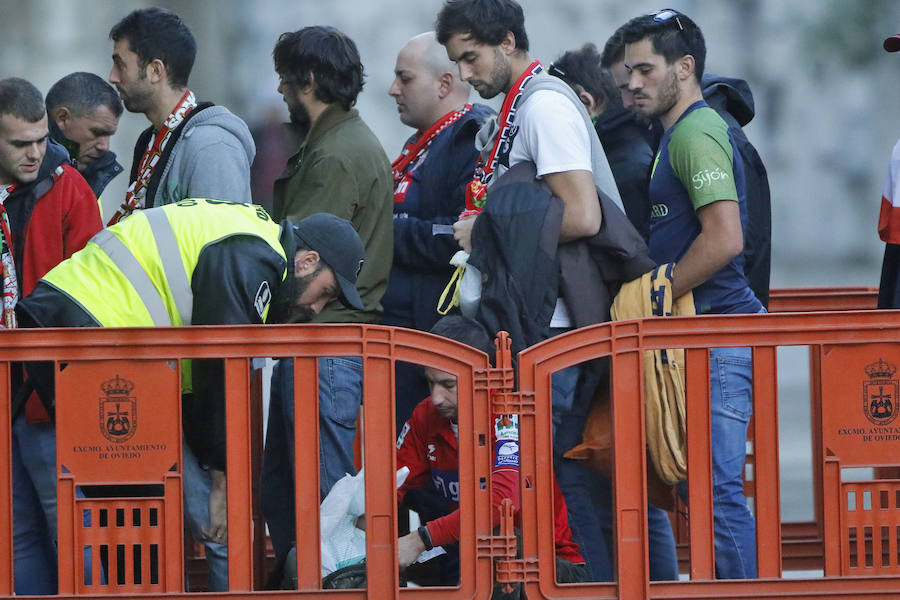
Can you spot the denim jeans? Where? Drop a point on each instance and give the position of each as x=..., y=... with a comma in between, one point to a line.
x=197, y=484
x=588, y=495
x=340, y=396
x=731, y=405
x=34, y=507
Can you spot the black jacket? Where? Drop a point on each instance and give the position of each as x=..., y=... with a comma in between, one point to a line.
x=628, y=148
x=421, y=268
x=733, y=100
x=516, y=245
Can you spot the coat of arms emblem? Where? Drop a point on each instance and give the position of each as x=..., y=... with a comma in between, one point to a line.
x=880, y=393
x=118, y=410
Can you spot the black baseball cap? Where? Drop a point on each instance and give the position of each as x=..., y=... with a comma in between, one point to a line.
x=340, y=248
x=892, y=44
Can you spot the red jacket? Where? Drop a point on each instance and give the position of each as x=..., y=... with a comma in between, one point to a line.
x=50, y=219
x=61, y=223
x=427, y=445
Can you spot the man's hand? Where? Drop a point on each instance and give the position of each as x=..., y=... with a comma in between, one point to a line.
x=218, y=513
x=409, y=547
x=462, y=232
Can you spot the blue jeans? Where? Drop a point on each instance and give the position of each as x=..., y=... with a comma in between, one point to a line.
x=197, y=483
x=731, y=405
x=34, y=507
x=340, y=396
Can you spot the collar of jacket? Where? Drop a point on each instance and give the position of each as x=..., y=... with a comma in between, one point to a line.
x=330, y=118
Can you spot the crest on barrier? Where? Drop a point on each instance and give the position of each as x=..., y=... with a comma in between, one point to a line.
x=118, y=410
x=880, y=393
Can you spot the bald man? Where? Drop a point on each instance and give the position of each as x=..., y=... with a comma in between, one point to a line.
x=430, y=176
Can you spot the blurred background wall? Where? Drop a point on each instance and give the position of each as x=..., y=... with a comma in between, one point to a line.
x=826, y=109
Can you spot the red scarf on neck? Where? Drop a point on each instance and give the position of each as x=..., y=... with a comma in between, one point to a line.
x=416, y=147
x=137, y=191
x=477, y=188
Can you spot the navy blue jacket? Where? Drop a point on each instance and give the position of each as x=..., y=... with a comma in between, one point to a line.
x=421, y=269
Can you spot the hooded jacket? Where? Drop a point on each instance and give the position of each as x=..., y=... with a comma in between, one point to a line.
x=630, y=154
x=209, y=156
x=733, y=100
x=50, y=218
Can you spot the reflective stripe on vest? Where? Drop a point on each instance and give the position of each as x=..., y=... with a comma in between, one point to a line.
x=170, y=257
x=128, y=264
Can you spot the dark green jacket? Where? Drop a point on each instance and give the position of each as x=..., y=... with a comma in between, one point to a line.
x=342, y=169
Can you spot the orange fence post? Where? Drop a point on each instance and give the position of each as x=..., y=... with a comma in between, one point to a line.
x=306, y=471
x=767, y=500
x=699, y=463
x=6, y=532
x=239, y=480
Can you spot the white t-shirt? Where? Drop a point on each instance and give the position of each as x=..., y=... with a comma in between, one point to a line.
x=550, y=132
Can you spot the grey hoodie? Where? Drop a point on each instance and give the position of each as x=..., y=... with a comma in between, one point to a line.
x=210, y=159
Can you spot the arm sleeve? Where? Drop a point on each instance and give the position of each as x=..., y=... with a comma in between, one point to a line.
x=701, y=157
x=504, y=482
x=327, y=178
x=411, y=453
x=555, y=135
x=232, y=284
x=219, y=169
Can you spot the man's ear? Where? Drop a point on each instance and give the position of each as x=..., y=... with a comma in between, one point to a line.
x=685, y=66
x=589, y=103
x=61, y=115
x=508, y=45
x=305, y=262
x=156, y=71
x=445, y=85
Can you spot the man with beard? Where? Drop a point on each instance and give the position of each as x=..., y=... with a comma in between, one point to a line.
x=191, y=149
x=341, y=169
x=222, y=263
x=541, y=121
x=84, y=114
x=698, y=217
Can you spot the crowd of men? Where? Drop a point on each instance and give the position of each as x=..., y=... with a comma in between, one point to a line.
x=597, y=168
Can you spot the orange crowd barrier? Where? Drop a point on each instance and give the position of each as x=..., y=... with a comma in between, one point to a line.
x=860, y=553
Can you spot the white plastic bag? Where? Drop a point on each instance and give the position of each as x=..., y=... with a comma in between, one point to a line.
x=342, y=542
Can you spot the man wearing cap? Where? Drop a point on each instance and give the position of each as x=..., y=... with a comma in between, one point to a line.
x=889, y=220
x=212, y=263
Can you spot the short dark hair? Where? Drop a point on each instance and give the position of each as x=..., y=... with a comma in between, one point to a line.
x=466, y=331
x=82, y=93
x=582, y=68
x=326, y=53
x=487, y=21
x=21, y=99
x=673, y=37
x=614, y=49
x=157, y=33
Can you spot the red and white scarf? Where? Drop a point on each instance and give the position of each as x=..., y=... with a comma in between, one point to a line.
x=135, y=197
x=10, y=284
x=415, y=148
x=484, y=173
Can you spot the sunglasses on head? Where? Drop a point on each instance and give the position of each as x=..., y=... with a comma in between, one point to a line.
x=557, y=72
x=664, y=15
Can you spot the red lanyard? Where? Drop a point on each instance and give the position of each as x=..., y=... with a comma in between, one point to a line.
x=477, y=188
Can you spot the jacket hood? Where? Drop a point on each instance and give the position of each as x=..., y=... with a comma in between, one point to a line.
x=729, y=94
x=54, y=156
x=219, y=116
x=615, y=118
